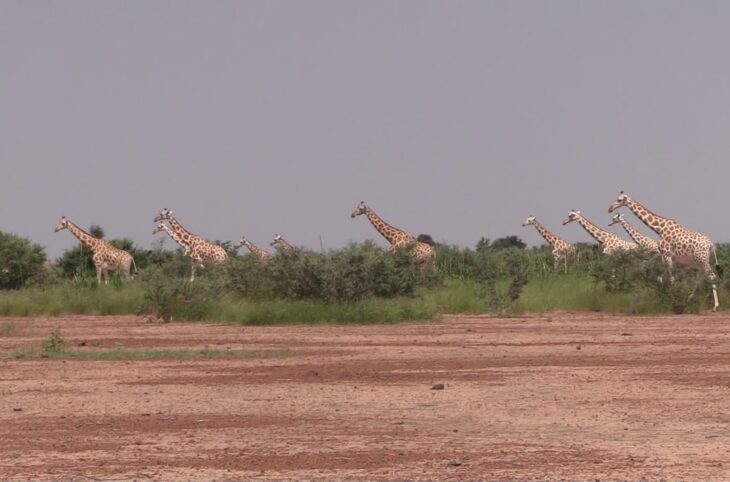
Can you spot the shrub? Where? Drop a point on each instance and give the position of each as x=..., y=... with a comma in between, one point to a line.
x=21, y=262
x=54, y=343
x=171, y=296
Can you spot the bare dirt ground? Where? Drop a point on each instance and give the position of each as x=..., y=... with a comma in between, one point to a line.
x=554, y=396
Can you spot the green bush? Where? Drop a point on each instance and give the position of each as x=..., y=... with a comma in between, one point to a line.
x=21, y=262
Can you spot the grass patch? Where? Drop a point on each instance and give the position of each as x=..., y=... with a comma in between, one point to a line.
x=573, y=292
x=457, y=296
x=140, y=353
x=68, y=298
x=8, y=328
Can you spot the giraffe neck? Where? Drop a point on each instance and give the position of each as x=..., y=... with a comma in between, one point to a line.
x=549, y=237
x=255, y=249
x=393, y=235
x=174, y=235
x=184, y=236
x=636, y=235
x=86, y=239
x=598, y=234
x=653, y=221
x=285, y=244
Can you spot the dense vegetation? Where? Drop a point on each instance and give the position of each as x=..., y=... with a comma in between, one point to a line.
x=358, y=283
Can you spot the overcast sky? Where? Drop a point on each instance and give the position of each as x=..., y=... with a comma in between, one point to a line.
x=454, y=118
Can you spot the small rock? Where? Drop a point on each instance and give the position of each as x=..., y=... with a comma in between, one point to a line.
x=17, y=410
x=438, y=386
x=577, y=347
x=312, y=373
x=455, y=462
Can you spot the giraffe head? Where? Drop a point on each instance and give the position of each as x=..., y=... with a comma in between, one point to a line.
x=361, y=208
x=621, y=200
x=240, y=243
x=529, y=220
x=62, y=224
x=277, y=240
x=158, y=228
x=164, y=214
x=572, y=216
x=617, y=218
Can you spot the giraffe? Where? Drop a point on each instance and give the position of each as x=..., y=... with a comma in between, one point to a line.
x=195, y=260
x=609, y=242
x=677, y=244
x=199, y=248
x=396, y=237
x=258, y=252
x=281, y=244
x=106, y=257
x=561, y=248
x=163, y=227
x=641, y=239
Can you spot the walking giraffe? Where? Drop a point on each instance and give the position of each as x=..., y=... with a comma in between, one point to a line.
x=163, y=227
x=396, y=237
x=106, y=257
x=200, y=249
x=641, y=239
x=281, y=244
x=258, y=252
x=560, y=248
x=609, y=242
x=677, y=244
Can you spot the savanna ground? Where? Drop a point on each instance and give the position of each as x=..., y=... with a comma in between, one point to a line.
x=552, y=396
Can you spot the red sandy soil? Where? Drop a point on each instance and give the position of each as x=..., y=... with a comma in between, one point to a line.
x=554, y=396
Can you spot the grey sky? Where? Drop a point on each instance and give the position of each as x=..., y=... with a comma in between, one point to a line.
x=453, y=118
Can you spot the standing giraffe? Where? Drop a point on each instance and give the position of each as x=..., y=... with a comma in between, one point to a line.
x=677, y=244
x=106, y=257
x=281, y=244
x=561, y=248
x=396, y=237
x=641, y=239
x=195, y=260
x=609, y=242
x=163, y=227
x=258, y=252
x=199, y=248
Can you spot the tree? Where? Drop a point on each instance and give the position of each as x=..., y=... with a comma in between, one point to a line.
x=508, y=242
x=21, y=262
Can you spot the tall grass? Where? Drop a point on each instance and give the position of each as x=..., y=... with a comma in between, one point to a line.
x=67, y=298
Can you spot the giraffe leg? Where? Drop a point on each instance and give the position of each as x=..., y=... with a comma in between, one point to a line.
x=711, y=274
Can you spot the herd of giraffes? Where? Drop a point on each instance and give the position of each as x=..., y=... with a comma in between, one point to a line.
x=108, y=258
x=677, y=244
